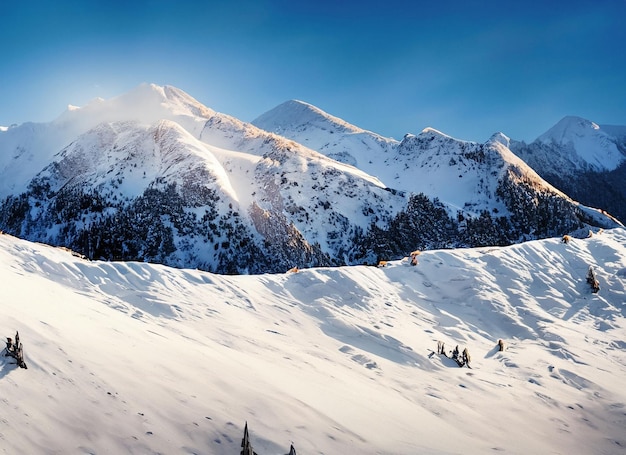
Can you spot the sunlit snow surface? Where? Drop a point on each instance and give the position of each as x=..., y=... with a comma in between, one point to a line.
x=140, y=358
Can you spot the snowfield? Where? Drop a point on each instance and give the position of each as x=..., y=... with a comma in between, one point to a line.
x=139, y=358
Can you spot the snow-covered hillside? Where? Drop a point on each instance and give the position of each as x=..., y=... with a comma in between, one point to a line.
x=139, y=358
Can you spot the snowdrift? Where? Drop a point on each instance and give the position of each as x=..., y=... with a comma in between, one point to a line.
x=139, y=358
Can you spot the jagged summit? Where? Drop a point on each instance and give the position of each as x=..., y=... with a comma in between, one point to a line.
x=427, y=135
x=464, y=174
x=435, y=132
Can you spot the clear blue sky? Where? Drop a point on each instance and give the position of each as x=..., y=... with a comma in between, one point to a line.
x=466, y=67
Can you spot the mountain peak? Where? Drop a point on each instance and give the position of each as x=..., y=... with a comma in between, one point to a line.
x=429, y=130
x=147, y=103
x=146, y=99
x=568, y=128
x=584, y=142
x=500, y=138
x=325, y=133
x=296, y=114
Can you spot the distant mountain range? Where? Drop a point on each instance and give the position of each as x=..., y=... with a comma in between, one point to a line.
x=153, y=175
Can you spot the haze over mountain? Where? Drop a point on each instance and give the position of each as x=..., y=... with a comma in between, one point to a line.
x=154, y=175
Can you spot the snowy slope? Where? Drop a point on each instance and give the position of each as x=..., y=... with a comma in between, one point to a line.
x=165, y=151
x=138, y=358
x=617, y=131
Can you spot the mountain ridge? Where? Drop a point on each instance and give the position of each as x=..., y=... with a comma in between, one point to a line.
x=172, y=181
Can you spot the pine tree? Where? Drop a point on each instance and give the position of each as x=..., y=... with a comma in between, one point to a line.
x=245, y=443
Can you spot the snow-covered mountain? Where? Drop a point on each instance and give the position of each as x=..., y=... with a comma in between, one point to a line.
x=470, y=179
x=328, y=134
x=138, y=358
x=577, y=144
x=585, y=160
x=27, y=148
x=462, y=174
x=172, y=181
x=155, y=175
